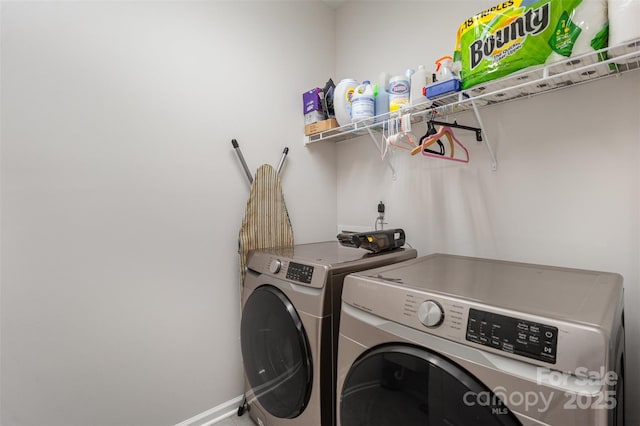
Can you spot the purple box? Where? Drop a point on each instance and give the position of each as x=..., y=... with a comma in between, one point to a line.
x=312, y=106
x=311, y=101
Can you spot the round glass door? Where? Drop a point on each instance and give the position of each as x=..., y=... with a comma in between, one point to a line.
x=275, y=353
x=405, y=385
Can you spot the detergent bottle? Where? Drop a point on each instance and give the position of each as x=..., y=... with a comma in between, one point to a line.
x=342, y=96
x=381, y=96
x=362, y=102
x=419, y=80
x=382, y=102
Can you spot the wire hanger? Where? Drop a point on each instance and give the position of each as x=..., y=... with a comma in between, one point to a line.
x=430, y=140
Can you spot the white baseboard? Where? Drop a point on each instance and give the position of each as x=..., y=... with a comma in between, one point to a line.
x=215, y=414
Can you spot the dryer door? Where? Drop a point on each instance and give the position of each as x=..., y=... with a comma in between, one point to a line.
x=275, y=353
x=406, y=385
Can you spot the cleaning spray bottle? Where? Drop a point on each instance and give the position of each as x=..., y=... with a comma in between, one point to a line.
x=444, y=68
x=447, y=79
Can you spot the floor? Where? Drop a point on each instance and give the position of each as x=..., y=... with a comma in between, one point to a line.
x=234, y=420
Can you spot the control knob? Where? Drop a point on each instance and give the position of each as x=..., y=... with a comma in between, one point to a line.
x=274, y=266
x=430, y=313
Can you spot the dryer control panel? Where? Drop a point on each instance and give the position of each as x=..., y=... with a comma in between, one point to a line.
x=299, y=272
x=513, y=335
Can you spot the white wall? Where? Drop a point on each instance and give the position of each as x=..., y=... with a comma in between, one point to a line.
x=122, y=196
x=567, y=188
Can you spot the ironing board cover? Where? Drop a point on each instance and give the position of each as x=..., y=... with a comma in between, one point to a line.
x=266, y=221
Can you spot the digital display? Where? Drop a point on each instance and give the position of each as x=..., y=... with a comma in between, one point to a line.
x=513, y=335
x=299, y=272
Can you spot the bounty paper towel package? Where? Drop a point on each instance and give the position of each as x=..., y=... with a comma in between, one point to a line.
x=587, y=29
x=518, y=34
x=623, y=25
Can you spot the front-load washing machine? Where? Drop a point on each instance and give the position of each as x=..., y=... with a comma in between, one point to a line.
x=289, y=328
x=448, y=340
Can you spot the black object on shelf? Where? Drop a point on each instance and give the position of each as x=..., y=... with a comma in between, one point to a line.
x=374, y=241
x=460, y=126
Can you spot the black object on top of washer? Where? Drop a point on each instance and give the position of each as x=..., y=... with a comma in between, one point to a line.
x=374, y=241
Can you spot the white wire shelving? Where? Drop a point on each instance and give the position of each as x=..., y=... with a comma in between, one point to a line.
x=608, y=62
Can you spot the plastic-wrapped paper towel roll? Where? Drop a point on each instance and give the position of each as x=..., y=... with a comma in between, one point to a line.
x=585, y=31
x=518, y=34
x=623, y=24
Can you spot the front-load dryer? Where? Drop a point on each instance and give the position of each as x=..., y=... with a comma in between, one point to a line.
x=289, y=328
x=448, y=340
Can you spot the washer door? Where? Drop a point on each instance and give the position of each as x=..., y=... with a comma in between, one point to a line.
x=275, y=353
x=405, y=385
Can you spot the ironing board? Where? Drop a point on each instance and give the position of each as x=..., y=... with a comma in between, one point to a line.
x=266, y=221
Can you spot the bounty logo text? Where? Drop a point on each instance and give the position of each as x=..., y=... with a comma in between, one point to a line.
x=532, y=22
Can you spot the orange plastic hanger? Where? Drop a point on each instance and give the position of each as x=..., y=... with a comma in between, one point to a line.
x=444, y=131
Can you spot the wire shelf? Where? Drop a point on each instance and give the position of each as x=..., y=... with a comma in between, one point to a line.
x=608, y=62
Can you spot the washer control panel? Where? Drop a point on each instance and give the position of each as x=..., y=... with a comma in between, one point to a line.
x=299, y=272
x=513, y=335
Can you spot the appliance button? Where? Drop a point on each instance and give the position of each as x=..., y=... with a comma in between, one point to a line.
x=430, y=313
x=274, y=266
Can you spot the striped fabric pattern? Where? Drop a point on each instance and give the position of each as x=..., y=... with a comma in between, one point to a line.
x=266, y=221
